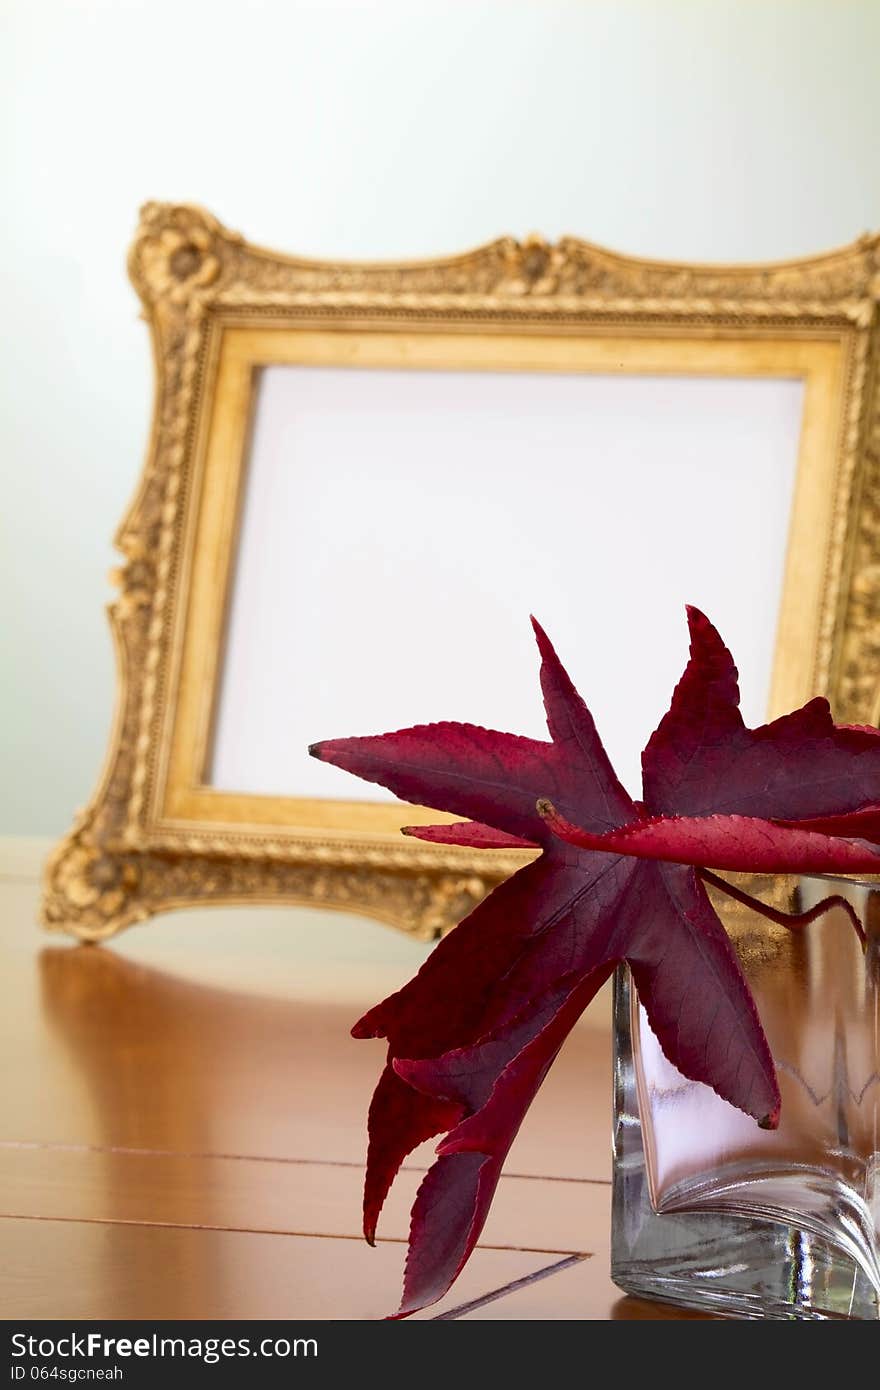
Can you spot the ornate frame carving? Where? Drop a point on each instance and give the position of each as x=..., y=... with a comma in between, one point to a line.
x=121, y=862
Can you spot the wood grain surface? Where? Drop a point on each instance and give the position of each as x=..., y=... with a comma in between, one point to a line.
x=182, y=1133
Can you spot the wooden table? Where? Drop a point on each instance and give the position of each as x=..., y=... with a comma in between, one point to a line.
x=182, y=1133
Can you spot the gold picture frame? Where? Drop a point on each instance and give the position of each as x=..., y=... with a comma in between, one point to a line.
x=155, y=836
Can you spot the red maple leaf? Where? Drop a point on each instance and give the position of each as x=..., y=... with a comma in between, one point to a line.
x=472, y=1036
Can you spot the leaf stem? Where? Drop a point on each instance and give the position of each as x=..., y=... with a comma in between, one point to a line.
x=792, y=920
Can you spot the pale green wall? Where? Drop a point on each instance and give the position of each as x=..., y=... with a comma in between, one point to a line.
x=709, y=130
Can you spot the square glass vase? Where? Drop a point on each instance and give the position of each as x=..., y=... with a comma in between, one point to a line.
x=713, y=1213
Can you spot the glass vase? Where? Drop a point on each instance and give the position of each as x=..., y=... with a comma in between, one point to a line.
x=714, y=1213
